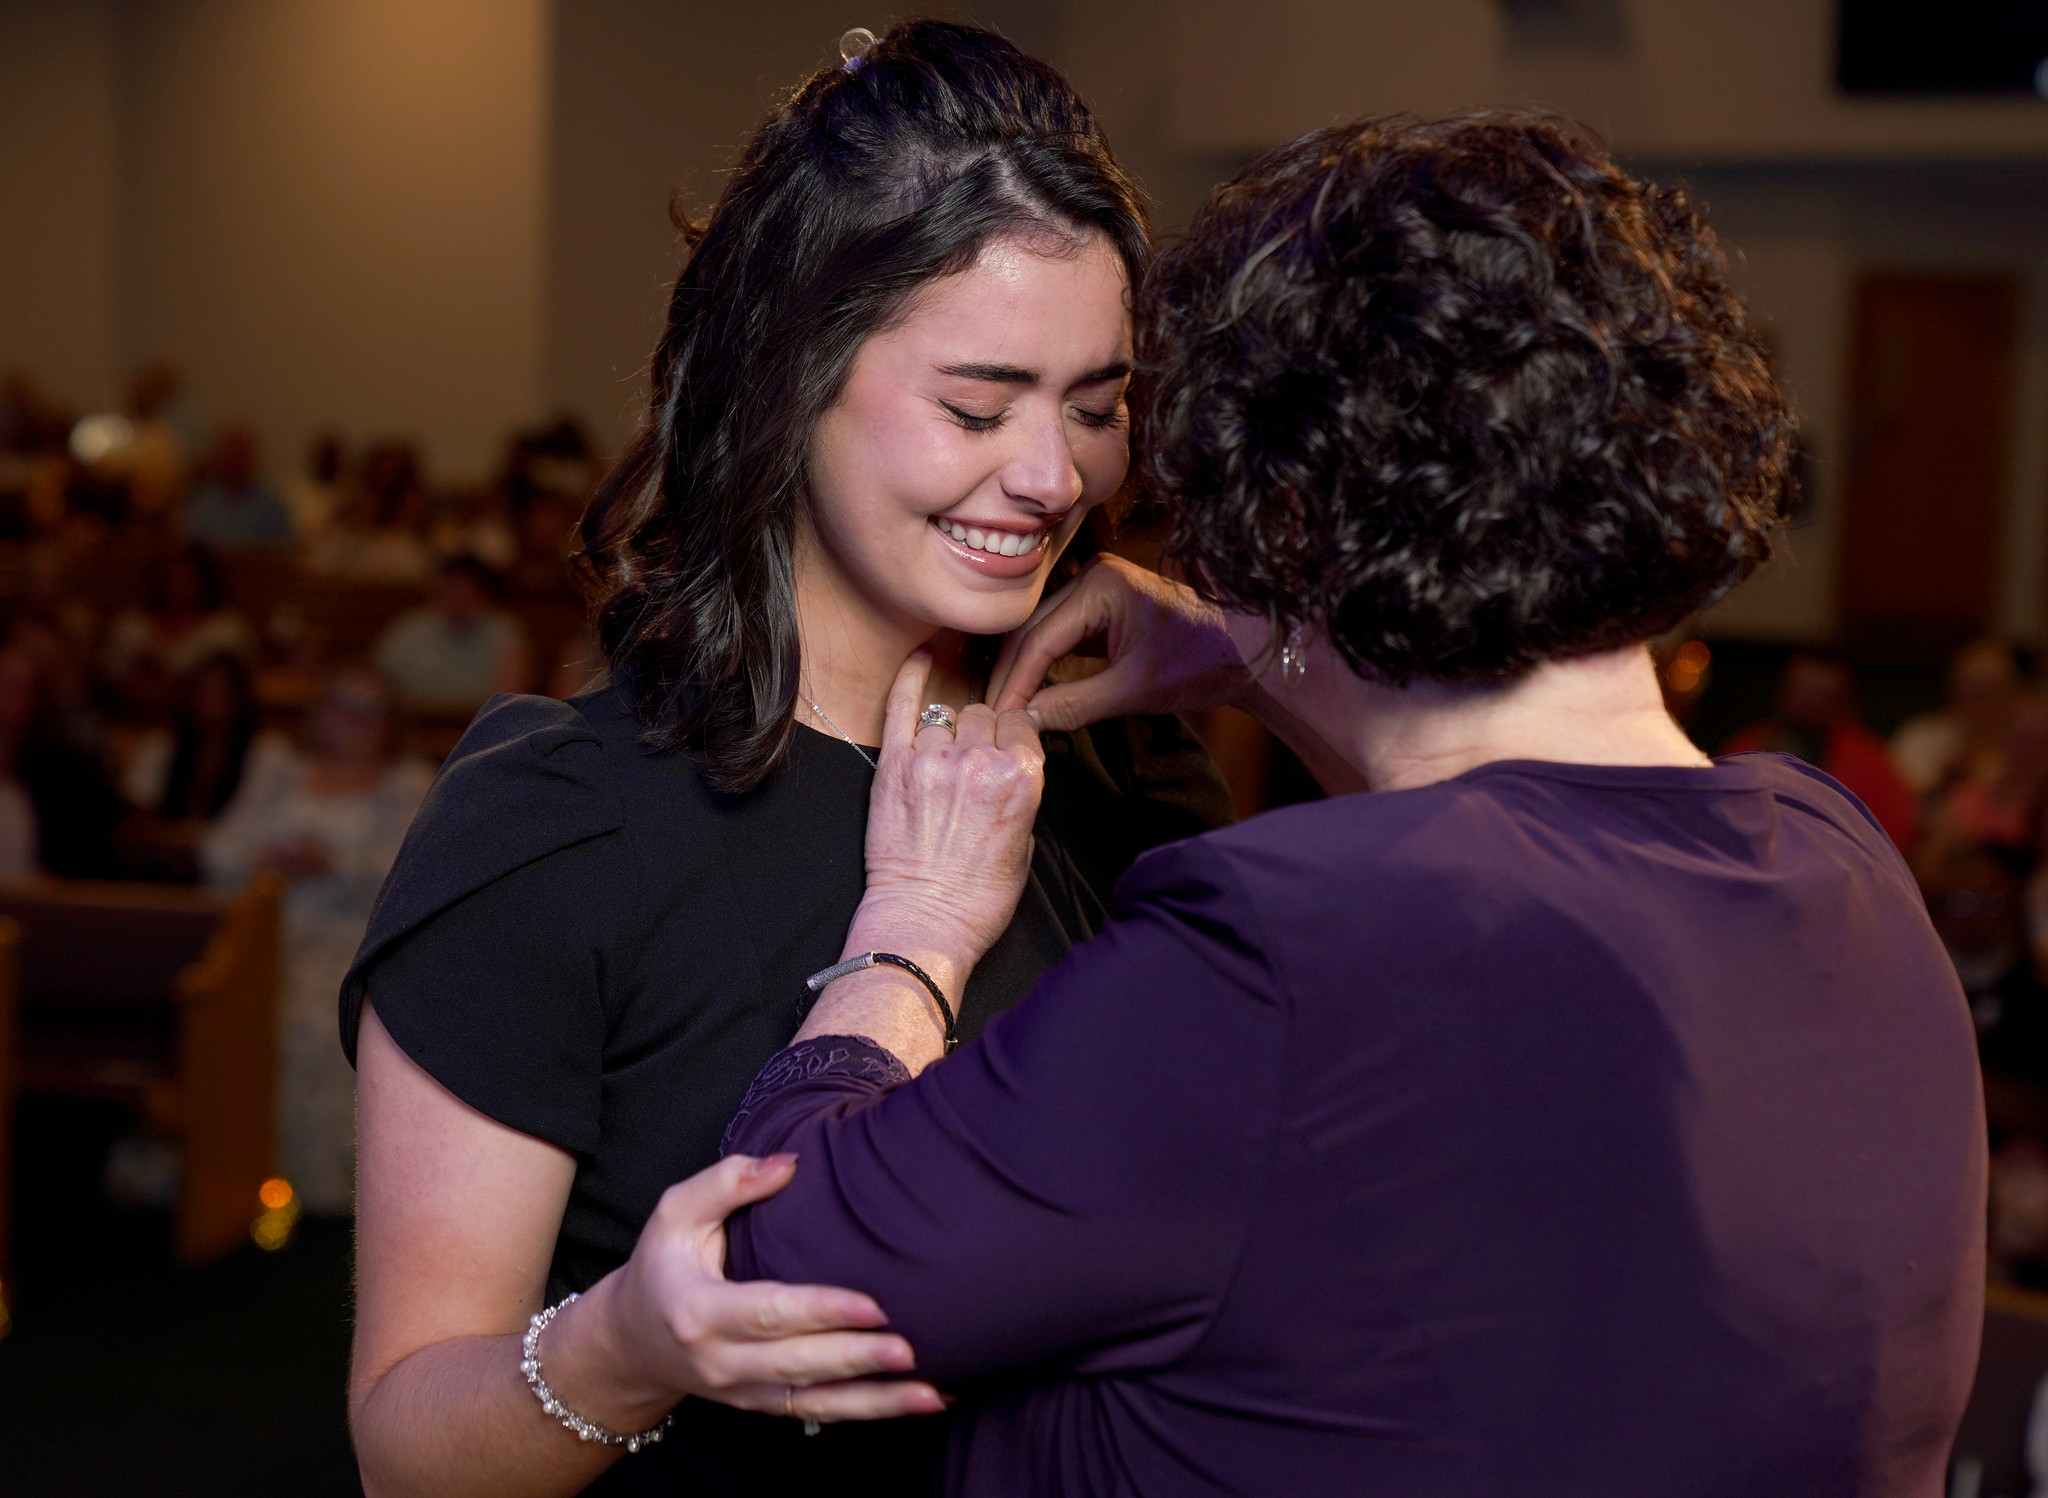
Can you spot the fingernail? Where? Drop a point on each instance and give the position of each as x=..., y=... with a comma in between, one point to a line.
x=1037, y=718
x=770, y=1164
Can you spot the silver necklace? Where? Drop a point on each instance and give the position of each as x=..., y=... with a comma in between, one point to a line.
x=840, y=731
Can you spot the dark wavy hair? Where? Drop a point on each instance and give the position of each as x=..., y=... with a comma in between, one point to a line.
x=1462, y=393
x=871, y=181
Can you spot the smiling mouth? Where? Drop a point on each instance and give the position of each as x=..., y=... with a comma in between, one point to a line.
x=997, y=543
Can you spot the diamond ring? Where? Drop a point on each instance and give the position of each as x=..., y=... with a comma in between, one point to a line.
x=938, y=715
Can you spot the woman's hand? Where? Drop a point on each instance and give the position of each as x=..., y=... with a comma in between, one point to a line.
x=1168, y=650
x=457, y=1217
x=948, y=848
x=807, y=1350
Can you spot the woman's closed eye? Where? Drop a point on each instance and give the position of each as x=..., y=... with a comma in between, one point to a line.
x=973, y=422
x=1087, y=415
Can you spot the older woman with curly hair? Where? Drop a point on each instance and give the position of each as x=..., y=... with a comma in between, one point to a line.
x=1563, y=1112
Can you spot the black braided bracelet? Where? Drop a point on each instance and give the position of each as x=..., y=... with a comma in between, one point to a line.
x=817, y=981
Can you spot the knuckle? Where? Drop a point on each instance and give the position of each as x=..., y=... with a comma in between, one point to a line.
x=687, y=1324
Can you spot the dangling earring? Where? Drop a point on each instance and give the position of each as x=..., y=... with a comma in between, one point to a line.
x=1293, y=659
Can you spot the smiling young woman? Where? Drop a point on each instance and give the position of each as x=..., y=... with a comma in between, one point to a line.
x=888, y=400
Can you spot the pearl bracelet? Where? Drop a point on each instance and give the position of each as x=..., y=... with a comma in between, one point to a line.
x=586, y=1430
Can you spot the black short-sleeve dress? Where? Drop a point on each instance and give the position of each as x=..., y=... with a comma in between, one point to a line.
x=584, y=941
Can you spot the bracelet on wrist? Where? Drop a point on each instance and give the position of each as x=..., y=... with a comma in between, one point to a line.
x=817, y=981
x=586, y=1430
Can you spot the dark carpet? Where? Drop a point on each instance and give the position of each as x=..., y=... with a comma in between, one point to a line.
x=130, y=1378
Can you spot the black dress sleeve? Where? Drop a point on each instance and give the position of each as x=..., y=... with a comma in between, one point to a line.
x=488, y=949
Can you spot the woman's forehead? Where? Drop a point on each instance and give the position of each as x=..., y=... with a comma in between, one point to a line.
x=1058, y=308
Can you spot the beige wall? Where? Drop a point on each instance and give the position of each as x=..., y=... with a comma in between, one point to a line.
x=335, y=213
x=650, y=96
x=59, y=196
x=1734, y=79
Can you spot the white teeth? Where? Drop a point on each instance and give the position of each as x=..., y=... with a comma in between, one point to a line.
x=994, y=542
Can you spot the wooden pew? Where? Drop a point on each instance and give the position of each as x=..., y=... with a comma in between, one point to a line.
x=164, y=999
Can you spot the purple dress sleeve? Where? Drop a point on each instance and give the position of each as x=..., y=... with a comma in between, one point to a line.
x=1072, y=1190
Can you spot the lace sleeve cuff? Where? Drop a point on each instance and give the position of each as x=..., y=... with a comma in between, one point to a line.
x=831, y=1069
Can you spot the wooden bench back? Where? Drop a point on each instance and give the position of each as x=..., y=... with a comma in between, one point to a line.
x=167, y=998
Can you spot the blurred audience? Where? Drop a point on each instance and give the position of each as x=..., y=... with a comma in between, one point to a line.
x=314, y=496
x=141, y=709
x=476, y=523
x=1964, y=736
x=184, y=618
x=2017, y=1112
x=1816, y=720
x=379, y=534
x=231, y=506
x=153, y=462
x=1994, y=802
x=458, y=650
x=18, y=833
x=74, y=807
x=330, y=819
x=178, y=777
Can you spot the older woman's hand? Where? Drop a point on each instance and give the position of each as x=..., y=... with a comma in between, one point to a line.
x=1168, y=649
x=948, y=846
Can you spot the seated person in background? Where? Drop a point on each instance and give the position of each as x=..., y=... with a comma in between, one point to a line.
x=1997, y=805
x=477, y=523
x=153, y=466
x=2016, y=1111
x=58, y=808
x=182, y=621
x=379, y=535
x=330, y=820
x=231, y=506
x=1816, y=721
x=457, y=651
x=313, y=497
x=180, y=777
x=18, y=695
x=1962, y=738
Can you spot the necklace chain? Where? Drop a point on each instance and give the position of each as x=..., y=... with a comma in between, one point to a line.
x=856, y=748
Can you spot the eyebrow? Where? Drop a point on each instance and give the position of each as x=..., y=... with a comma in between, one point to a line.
x=1012, y=374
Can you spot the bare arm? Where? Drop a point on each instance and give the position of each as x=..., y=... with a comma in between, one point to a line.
x=456, y=1221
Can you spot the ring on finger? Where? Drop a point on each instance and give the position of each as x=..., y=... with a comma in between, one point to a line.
x=938, y=715
x=811, y=1427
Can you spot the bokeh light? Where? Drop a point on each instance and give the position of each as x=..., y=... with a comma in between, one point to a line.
x=279, y=1220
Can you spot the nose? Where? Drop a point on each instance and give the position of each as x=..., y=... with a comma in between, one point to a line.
x=1041, y=471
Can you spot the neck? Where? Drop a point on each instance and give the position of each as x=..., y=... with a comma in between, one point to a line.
x=853, y=645
x=1602, y=709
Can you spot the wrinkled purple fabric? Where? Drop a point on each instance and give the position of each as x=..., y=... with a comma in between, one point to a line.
x=1553, y=1130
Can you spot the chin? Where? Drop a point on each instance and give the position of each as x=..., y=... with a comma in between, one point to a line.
x=984, y=615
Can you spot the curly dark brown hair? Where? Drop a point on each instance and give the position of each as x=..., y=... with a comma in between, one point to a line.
x=1463, y=393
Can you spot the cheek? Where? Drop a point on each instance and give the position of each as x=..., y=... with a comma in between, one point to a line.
x=878, y=463
x=1102, y=459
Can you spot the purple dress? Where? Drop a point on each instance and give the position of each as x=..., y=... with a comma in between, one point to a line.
x=1552, y=1130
